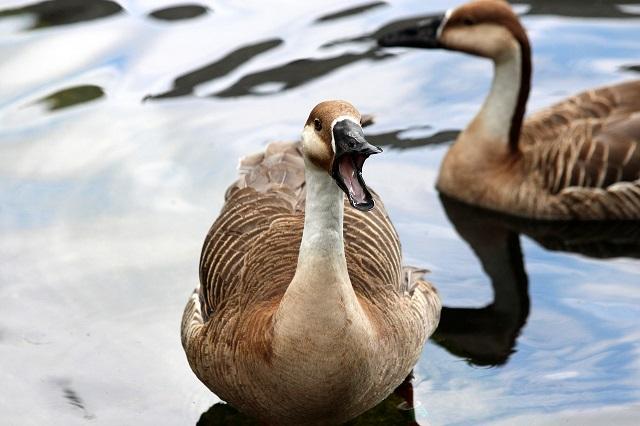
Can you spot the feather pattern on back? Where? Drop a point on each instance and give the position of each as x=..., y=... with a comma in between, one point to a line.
x=584, y=153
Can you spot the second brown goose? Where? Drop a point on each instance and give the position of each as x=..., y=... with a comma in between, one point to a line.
x=578, y=159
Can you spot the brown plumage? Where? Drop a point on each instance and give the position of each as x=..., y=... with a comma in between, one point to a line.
x=584, y=155
x=577, y=160
x=324, y=367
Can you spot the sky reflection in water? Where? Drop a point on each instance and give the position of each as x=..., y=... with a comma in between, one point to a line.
x=121, y=127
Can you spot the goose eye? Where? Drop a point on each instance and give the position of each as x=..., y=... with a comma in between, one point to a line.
x=317, y=124
x=467, y=21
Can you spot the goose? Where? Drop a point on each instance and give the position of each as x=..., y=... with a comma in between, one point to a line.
x=304, y=313
x=576, y=160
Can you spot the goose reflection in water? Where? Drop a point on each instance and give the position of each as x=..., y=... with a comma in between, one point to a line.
x=487, y=336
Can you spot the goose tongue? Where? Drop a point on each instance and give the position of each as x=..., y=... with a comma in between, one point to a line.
x=350, y=168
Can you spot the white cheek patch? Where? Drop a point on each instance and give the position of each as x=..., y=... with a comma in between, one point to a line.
x=312, y=144
x=447, y=14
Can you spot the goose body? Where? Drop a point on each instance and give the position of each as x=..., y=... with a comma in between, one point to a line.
x=304, y=314
x=576, y=160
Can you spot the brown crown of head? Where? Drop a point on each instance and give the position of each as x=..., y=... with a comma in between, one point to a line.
x=496, y=12
x=321, y=120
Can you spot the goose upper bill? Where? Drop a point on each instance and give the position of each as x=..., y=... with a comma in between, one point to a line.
x=423, y=34
x=304, y=313
x=576, y=160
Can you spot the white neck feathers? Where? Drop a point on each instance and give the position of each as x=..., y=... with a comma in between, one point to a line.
x=320, y=300
x=322, y=240
x=496, y=115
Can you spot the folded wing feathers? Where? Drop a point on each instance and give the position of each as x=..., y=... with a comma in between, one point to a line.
x=586, y=150
x=279, y=168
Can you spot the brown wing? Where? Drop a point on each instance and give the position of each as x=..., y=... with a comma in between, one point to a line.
x=268, y=189
x=620, y=142
x=591, y=140
x=600, y=104
x=372, y=249
x=243, y=222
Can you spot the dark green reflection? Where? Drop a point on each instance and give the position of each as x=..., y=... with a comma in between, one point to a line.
x=63, y=12
x=487, y=335
x=72, y=96
x=396, y=410
x=177, y=13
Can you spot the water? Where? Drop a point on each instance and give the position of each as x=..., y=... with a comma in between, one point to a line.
x=120, y=128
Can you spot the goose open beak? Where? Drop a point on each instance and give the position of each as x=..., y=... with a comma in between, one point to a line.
x=423, y=33
x=352, y=149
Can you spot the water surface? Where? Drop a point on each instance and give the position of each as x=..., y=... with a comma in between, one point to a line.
x=120, y=127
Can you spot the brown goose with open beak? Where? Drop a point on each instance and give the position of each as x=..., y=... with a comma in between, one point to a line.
x=304, y=313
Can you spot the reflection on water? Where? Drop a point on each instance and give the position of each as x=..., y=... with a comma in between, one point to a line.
x=74, y=399
x=103, y=205
x=296, y=73
x=487, y=336
x=633, y=68
x=178, y=13
x=184, y=84
x=601, y=240
x=72, y=96
x=400, y=140
x=579, y=8
x=277, y=79
x=51, y=13
x=351, y=11
x=396, y=410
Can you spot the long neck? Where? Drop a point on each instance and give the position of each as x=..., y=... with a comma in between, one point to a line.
x=501, y=115
x=320, y=296
x=322, y=246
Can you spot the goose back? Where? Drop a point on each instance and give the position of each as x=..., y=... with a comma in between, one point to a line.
x=584, y=152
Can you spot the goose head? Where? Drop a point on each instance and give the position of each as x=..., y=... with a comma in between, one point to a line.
x=333, y=141
x=487, y=28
